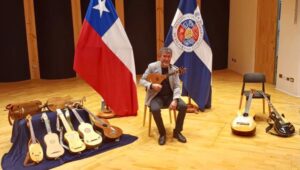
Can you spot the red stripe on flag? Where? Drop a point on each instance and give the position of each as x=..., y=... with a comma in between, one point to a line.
x=102, y=69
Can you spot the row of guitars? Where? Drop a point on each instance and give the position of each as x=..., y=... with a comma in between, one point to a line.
x=87, y=136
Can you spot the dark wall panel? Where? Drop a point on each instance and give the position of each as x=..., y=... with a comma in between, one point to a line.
x=215, y=15
x=84, y=5
x=55, y=38
x=170, y=8
x=140, y=27
x=14, y=64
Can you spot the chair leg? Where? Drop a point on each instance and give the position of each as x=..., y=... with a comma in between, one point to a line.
x=264, y=106
x=241, y=100
x=145, y=113
x=175, y=118
x=150, y=118
x=170, y=116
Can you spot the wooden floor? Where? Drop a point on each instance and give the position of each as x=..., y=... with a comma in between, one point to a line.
x=211, y=145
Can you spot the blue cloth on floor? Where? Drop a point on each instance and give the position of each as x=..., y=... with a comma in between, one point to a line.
x=20, y=136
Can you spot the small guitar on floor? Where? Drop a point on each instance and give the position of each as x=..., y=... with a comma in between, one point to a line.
x=53, y=150
x=244, y=123
x=71, y=137
x=35, y=149
x=86, y=131
x=109, y=131
x=281, y=126
x=158, y=78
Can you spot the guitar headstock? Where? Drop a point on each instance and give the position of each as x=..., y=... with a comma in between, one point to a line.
x=181, y=70
x=28, y=117
x=44, y=116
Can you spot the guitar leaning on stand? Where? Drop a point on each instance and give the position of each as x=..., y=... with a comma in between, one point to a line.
x=71, y=137
x=86, y=131
x=244, y=124
x=53, y=150
x=35, y=151
x=281, y=126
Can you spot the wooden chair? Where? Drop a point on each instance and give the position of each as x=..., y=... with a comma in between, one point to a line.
x=254, y=78
x=150, y=117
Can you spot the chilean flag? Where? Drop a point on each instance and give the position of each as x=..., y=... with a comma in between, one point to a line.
x=189, y=42
x=104, y=58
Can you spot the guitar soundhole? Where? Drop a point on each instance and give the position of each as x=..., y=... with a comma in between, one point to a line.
x=245, y=114
x=157, y=79
x=87, y=130
x=104, y=125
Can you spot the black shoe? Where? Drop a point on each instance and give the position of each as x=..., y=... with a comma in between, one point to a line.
x=179, y=137
x=162, y=139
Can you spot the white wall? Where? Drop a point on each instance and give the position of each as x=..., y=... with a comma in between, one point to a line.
x=289, y=49
x=242, y=35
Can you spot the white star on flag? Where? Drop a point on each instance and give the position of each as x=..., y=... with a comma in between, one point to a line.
x=101, y=7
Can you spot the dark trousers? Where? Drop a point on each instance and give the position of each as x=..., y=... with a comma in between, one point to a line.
x=160, y=102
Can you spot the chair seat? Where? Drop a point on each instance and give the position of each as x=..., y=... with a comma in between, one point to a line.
x=256, y=95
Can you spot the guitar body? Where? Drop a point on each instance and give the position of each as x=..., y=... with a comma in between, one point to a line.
x=53, y=149
x=90, y=137
x=36, y=153
x=282, y=126
x=156, y=78
x=74, y=141
x=111, y=132
x=243, y=125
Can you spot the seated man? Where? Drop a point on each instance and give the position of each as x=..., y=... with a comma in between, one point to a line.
x=166, y=94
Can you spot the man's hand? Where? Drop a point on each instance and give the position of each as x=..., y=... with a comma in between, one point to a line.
x=156, y=87
x=173, y=105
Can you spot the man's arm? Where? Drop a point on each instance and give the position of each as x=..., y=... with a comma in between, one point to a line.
x=176, y=90
x=143, y=80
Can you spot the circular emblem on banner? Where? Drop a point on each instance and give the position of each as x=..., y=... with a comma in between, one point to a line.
x=188, y=32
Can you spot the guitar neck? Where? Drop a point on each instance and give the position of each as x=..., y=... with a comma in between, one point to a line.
x=68, y=117
x=171, y=74
x=77, y=115
x=269, y=103
x=248, y=103
x=33, y=139
x=64, y=121
x=95, y=117
x=47, y=122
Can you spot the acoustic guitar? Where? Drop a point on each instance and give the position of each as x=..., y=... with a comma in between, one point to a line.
x=86, y=131
x=35, y=149
x=244, y=123
x=71, y=137
x=158, y=78
x=109, y=131
x=53, y=150
x=282, y=127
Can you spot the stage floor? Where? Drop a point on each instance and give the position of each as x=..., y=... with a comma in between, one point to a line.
x=211, y=145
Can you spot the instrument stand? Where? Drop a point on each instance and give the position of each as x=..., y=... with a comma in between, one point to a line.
x=191, y=108
x=105, y=112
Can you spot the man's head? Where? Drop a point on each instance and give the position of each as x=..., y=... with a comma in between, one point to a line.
x=165, y=56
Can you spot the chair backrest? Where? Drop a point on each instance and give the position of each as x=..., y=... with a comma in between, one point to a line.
x=254, y=78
